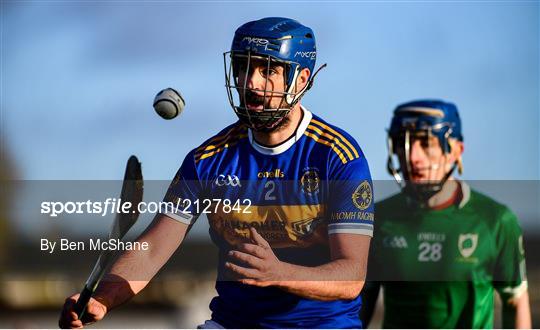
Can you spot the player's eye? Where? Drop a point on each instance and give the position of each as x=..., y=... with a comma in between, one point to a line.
x=424, y=143
x=268, y=72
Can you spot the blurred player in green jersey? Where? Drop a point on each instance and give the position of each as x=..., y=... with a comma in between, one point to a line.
x=439, y=248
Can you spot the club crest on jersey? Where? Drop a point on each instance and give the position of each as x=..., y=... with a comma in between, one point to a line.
x=467, y=244
x=310, y=181
x=363, y=195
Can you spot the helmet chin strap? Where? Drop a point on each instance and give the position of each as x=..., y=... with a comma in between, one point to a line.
x=290, y=99
x=422, y=192
x=390, y=166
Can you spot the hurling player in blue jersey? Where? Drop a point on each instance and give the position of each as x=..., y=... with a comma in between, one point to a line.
x=288, y=197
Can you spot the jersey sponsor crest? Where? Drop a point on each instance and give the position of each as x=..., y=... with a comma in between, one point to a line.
x=467, y=243
x=305, y=227
x=272, y=174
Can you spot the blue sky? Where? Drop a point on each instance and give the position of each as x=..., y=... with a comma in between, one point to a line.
x=78, y=79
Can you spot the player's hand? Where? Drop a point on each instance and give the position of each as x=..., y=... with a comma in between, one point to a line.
x=255, y=263
x=95, y=311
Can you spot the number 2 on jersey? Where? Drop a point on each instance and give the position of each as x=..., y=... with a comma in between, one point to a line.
x=269, y=196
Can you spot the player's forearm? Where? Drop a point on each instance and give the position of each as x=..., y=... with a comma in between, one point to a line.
x=516, y=313
x=338, y=279
x=134, y=269
x=127, y=277
x=114, y=291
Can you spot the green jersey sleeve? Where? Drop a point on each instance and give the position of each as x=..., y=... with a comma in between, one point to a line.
x=509, y=272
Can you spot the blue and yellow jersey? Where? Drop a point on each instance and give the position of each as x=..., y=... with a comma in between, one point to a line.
x=296, y=194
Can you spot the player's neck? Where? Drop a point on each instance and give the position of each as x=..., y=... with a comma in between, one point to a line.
x=282, y=134
x=448, y=196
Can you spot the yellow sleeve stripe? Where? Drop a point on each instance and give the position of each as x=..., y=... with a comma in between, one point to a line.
x=326, y=143
x=216, y=140
x=332, y=139
x=226, y=144
x=330, y=129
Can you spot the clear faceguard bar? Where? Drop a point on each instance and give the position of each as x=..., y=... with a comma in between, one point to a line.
x=391, y=163
x=308, y=85
x=245, y=84
x=231, y=82
x=267, y=116
x=446, y=138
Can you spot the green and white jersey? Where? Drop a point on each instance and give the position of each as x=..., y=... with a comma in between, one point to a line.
x=439, y=267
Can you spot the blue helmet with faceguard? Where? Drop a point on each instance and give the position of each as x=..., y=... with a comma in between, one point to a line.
x=422, y=118
x=440, y=118
x=281, y=41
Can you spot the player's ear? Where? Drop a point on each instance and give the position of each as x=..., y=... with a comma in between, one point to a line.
x=302, y=79
x=458, y=148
